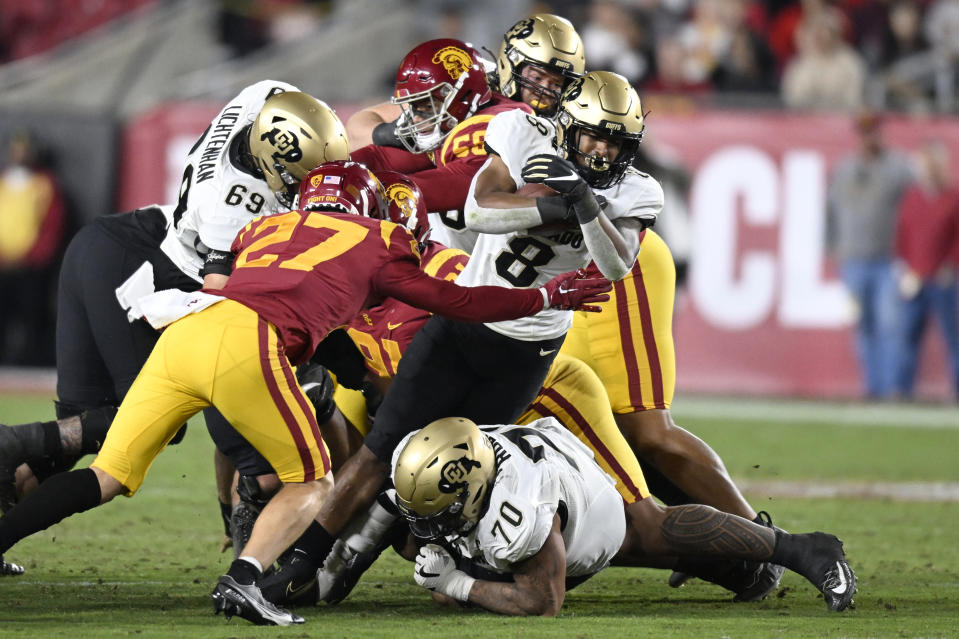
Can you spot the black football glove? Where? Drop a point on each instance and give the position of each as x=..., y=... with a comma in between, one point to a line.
x=561, y=176
x=385, y=135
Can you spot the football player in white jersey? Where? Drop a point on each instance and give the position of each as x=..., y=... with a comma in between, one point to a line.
x=529, y=511
x=247, y=163
x=490, y=373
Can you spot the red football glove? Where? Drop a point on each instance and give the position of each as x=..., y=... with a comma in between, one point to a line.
x=573, y=291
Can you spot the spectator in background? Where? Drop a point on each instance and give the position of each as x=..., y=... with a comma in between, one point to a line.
x=926, y=236
x=863, y=201
x=616, y=40
x=32, y=221
x=907, y=63
x=745, y=64
x=827, y=74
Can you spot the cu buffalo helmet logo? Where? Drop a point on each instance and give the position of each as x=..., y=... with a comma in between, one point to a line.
x=454, y=474
x=454, y=60
x=520, y=30
x=284, y=141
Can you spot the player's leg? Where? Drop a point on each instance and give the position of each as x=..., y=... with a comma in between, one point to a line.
x=574, y=395
x=696, y=531
x=259, y=395
x=158, y=403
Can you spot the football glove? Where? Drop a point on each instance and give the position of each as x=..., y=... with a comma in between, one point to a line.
x=384, y=134
x=436, y=570
x=574, y=291
x=560, y=175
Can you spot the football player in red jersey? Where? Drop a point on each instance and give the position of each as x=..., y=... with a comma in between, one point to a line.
x=233, y=348
x=433, y=129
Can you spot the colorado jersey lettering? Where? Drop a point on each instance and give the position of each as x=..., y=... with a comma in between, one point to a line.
x=523, y=259
x=218, y=196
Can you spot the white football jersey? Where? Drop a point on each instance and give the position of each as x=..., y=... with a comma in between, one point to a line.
x=217, y=196
x=544, y=470
x=524, y=259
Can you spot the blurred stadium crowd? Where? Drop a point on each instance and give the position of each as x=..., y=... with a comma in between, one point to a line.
x=812, y=54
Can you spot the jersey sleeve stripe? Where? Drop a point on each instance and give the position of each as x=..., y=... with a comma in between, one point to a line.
x=596, y=443
x=649, y=338
x=459, y=128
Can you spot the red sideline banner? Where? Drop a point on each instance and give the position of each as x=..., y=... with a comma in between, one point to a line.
x=764, y=312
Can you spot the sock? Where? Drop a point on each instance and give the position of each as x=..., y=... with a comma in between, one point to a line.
x=245, y=570
x=57, y=498
x=94, y=424
x=315, y=543
x=788, y=551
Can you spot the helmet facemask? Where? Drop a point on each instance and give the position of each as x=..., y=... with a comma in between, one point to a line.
x=599, y=172
x=426, y=119
x=544, y=108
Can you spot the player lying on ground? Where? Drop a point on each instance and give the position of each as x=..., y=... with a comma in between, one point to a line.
x=296, y=276
x=527, y=510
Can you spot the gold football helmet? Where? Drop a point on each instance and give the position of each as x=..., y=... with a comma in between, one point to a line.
x=607, y=106
x=293, y=134
x=443, y=477
x=546, y=41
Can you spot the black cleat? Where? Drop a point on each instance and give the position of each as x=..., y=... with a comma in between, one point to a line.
x=293, y=583
x=232, y=598
x=828, y=570
x=11, y=456
x=10, y=569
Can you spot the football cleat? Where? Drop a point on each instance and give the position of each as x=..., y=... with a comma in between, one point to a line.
x=232, y=598
x=10, y=569
x=826, y=567
x=293, y=583
x=241, y=525
x=767, y=576
x=11, y=456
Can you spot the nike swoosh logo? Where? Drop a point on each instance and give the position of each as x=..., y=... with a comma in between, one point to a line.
x=567, y=178
x=295, y=592
x=841, y=588
x=391, y=325
x=422, y=573
x=543, y=352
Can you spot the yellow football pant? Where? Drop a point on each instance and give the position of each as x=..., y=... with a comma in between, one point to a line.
x=574, y=395
x=630, y=343
x=225, y=356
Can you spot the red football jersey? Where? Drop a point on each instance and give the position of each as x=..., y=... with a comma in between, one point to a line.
x=383, y=332
x=308, y=273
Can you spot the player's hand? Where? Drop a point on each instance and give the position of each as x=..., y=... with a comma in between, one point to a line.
x=436, y=570
x=561, y=175
x=384, y=134
x=225, y=543
x=574, y=291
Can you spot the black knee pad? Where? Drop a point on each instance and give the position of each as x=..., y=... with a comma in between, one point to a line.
x=248, y=488
x=65, y=409
x=316, y=382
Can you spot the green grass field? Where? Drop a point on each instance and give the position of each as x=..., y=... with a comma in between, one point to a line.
x=144, y=567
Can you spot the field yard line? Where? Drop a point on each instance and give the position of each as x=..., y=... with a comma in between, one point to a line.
x=900, y=415
x=920, y=491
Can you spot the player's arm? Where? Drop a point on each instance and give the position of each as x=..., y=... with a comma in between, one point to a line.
x=403, y=280
x=384, y=158
x=361, y=125
x=613, y=246
x=538, y=587
x=496, y=207
x=445, y=188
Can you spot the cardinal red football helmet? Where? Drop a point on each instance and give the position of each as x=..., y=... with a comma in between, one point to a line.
x=343, y=187
x=439, y=84
x=405, y=201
